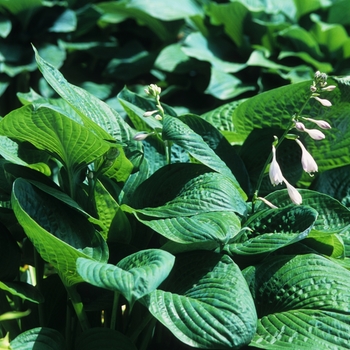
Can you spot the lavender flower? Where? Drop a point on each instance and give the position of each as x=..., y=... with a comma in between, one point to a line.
x=293, y=193
x=307, y=161
x=275, y=172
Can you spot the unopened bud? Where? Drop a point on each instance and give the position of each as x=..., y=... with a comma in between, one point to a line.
x=329, y=88
x=300, y=126
x=323, y=101
x=320, y=123
x=140, y=136
x=150, y=113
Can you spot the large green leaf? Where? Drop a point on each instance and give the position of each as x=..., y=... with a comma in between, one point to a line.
x=188, y=203
x=272, y=229
x=302, y=302
x=207, y=303
x=176, y=131
x=59, y=236
x=40, y=338
x=220, y=146
x=96, y=115
x=333, y=217
x=134, y=276
x=73, y=144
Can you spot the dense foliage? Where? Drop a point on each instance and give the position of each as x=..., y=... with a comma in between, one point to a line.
x=135, y=223
x=201, y=52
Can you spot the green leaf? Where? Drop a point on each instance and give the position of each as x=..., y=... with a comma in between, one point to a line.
x=220, y=146
x=176, y=131
x=173, y=59
x=224, y=86
x=186, y=190
x=168, y=11
x=272, y=229
x=302, y=299
x=332, y=216
x=335, y=183
x=40, y=338
x=59, y=236
x=9, y=150
x=117, y=11
x=103, y=338
x=231, y=16
x=301, y=40
x=73, y=144
x=134, y=276
x=65, y=23
x=258, y=59
x=211, y=227
x=331, y=36
x=96, y=115
x=207, y=303
x=205, y=49
x=23, y=290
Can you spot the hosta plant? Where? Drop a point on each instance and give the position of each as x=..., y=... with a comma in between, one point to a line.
x=175, y=231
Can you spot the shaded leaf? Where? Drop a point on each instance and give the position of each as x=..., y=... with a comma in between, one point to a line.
x=40, y=338
x=59, y=236
x=208, y=304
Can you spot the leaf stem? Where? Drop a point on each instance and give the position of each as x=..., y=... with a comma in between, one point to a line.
x=78, y=306
x=114, y=309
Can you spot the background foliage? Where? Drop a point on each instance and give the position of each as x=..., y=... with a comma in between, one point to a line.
x=202, y=53
x=126, y=248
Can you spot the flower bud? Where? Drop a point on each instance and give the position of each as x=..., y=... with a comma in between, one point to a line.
x=293, y=193
x=320, y=123
x=329, y=88
x=323, y=101
x=313, y=88
x=153, y=90
x=315, y=134
x=140, y=136
x=300, y=126
x=150, y=113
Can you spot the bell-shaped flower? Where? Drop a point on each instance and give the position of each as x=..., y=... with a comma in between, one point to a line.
x=293, y=193
x=275, y=172
x=307, y=161
x=315, y=134
x=323, y=101
x=320, y=123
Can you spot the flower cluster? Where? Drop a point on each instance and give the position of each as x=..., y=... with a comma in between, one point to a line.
x=308, y=163
x=153, y=91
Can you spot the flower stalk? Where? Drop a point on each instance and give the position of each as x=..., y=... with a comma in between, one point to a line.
x=308, y=163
